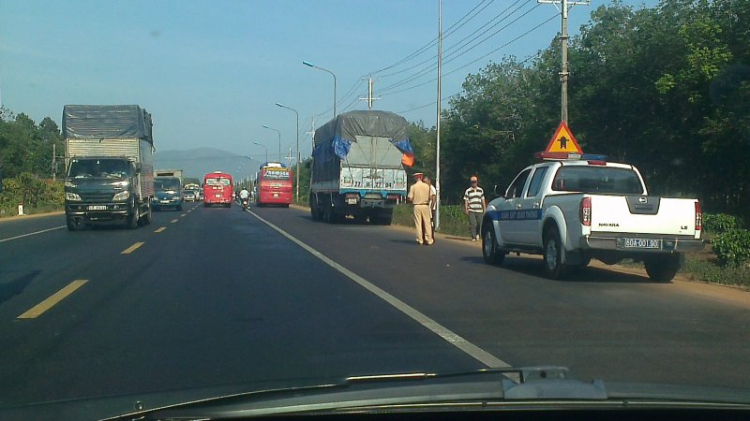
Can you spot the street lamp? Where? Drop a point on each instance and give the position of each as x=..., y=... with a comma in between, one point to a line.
x=279, y=133
x=297, y=114
x=309, y=64
x=264, y=147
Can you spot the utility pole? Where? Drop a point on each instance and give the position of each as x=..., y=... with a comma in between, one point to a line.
x=439, y=110
x=54, y=162
x=565, y=6
x=369, y=97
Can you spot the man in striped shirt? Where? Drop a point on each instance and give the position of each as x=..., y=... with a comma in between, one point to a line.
x=474, y=206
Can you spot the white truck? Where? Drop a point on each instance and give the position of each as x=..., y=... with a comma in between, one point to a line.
x=573, y=210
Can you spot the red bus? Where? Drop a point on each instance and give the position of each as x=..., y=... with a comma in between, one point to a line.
x=273, y=185
x=217, y=189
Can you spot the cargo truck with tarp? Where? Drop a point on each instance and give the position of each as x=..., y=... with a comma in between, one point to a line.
x=109, y=162
x=358, y=166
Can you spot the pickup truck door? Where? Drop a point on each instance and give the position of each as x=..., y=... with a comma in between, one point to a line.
x=510, y=225
x=530, y=212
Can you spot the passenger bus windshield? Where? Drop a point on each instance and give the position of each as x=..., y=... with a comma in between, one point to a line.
x=597, y=179
x=99, y=168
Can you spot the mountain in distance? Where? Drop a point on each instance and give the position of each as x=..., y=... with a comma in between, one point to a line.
x=198, y=162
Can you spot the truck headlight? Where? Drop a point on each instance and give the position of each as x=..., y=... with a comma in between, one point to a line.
x=73, y=197
x=123, y=195
x=69, y=184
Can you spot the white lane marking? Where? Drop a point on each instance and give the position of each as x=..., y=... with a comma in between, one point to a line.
x=31, y=233
x=454, y=339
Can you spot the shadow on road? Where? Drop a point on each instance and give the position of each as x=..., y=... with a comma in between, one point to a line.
x=16, y=286
x=533, y=266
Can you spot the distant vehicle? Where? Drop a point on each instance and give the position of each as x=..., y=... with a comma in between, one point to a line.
x=167, y=193
x=573, y=210
x=217, y=189
x=189, y=195
x=274, y=185
x=108, y=156
x=358, y=166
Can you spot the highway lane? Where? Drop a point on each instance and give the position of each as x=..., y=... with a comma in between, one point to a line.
x=215, y=298
x=601, y=324
x=19, y=226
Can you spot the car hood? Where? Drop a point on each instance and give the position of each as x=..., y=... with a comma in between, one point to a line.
x=521, y=388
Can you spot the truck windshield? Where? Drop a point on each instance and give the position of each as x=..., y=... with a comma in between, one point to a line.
x=161, y=184
x=99, y=168
x=597, y=179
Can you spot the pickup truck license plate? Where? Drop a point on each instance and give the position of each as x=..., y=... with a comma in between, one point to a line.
x=97, y=207
x=642, y=243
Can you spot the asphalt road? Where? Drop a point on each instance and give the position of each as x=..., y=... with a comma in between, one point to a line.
x=214, y=296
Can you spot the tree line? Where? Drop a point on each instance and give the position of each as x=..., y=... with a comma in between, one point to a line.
x=664, y=88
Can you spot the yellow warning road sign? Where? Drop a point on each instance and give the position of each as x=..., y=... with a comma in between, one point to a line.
x=563, y=141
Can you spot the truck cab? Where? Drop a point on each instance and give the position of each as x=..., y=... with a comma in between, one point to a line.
x=100, y=190
x=167, y=193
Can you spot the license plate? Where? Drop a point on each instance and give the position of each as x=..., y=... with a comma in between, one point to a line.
x=642, y=243
x=351, y=201
x=218, y=195
x=275, y=195
x=165, y=201
x=97, y=207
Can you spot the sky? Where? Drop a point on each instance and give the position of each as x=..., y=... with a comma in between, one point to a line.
x=211, y=72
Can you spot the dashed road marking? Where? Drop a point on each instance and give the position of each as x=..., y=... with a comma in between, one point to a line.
x=53, y=299
x=132, y=248
x=160, y=229
x=174, y=221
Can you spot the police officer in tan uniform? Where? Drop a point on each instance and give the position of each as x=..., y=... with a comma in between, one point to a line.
x=419, y=195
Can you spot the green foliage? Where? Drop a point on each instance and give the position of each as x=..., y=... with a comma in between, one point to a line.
x=720, y=222
x=664, y=88
x=707, y=271
x=27, y=147
x=732, y=247
x=32, y=192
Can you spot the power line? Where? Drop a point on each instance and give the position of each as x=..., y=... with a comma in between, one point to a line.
x=456, y=53
x=432, y=42
x=479, y=58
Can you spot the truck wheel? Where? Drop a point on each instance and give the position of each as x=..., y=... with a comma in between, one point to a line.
x=663, y=268
x=553, y=266
x=490, y=251
x=147, y=217
x=132, y=221
x=72, y=225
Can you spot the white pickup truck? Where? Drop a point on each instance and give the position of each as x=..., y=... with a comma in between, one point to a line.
x=573, y=210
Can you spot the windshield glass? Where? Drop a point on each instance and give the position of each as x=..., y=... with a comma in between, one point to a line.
x=597, y=179
x=163, y=184
x=434, y=186
x=99, y=168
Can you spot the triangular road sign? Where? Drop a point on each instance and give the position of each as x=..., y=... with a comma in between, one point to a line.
x=563, y=141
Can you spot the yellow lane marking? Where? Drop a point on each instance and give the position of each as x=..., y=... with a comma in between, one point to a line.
x=132, y=248
x=174, y=220
x=160, y=229
x=53, y=299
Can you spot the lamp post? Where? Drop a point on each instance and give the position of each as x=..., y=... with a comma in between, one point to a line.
x=264, y=147
x=297, y=131
x=309, y=64
x=277, y=132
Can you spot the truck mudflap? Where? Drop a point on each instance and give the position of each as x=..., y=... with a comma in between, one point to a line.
x=642, y=243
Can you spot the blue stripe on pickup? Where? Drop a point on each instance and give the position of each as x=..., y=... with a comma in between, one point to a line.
x=515, y=215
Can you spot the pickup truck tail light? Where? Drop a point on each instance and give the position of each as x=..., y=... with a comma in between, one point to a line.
x=584, y=212
x=698, y=216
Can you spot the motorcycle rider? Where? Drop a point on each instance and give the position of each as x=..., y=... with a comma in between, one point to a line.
x=244, y=196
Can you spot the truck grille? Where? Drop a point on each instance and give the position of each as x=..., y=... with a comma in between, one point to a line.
x=97, y=197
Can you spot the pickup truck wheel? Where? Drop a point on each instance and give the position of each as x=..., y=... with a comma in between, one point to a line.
x=490, y=252
x=553, y=266
x=663, y=268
